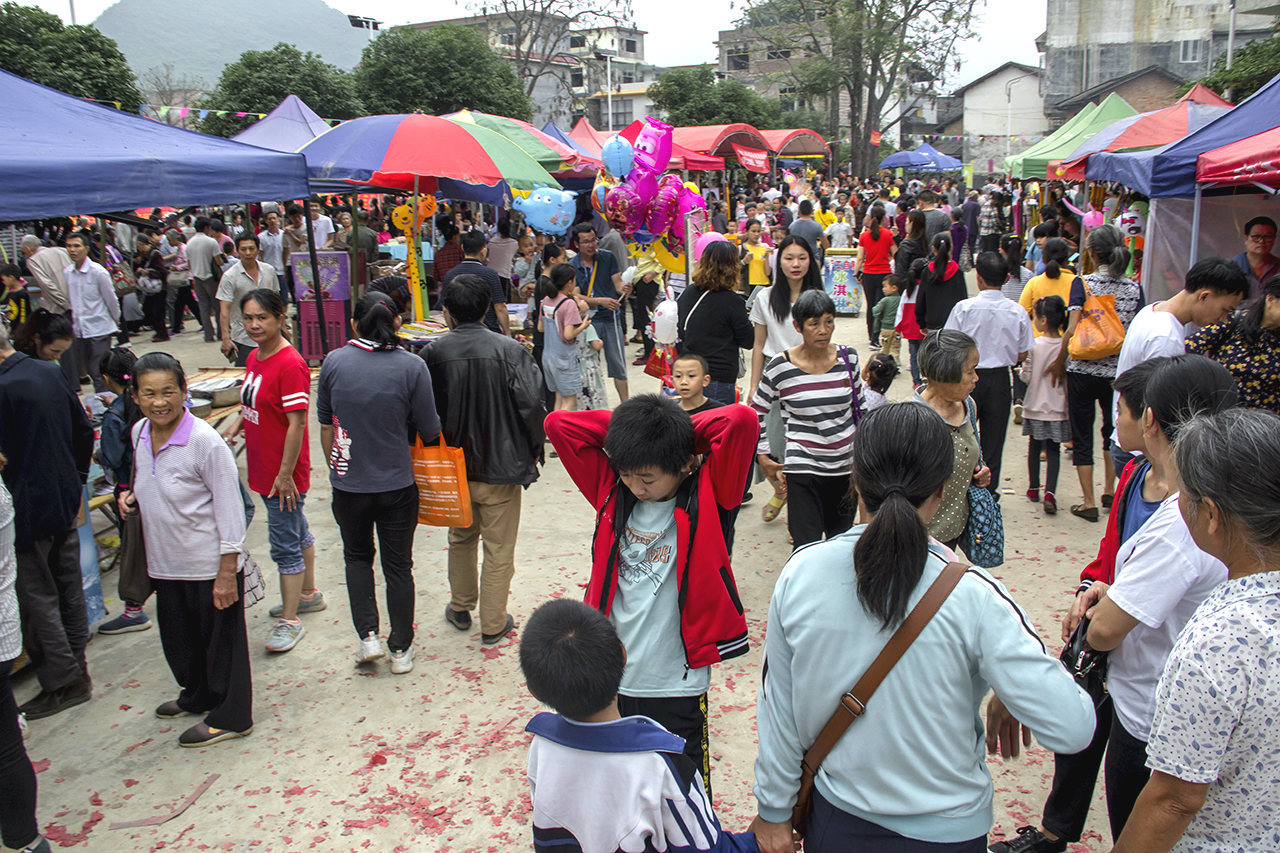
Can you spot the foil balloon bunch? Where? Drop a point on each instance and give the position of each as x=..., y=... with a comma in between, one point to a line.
x=638, y=196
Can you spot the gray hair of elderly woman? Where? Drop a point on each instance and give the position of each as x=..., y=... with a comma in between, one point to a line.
x=1233, y=458
x=943, y=353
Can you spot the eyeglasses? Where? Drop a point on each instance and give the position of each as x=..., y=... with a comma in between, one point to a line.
x=1263, y=238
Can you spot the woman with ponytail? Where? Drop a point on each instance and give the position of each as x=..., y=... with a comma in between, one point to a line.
x=908, y=774
x=941, y=286
x=371, y=396
x=873, y=262
x=1056, y=280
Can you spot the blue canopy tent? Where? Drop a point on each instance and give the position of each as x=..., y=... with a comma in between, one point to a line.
x=925, y=158
x=65, y=155
x=551, y=130
x=1170, y=171
x=291, y=125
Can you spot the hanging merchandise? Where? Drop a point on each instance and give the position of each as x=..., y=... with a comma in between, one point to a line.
x=547, y=210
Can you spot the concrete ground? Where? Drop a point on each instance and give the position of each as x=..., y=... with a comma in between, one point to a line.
x=346, y=758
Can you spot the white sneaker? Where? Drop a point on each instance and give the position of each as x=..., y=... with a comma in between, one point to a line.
x=370, y=649
x=402, y=662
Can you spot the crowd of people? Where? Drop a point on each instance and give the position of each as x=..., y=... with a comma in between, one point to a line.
x=880, y=499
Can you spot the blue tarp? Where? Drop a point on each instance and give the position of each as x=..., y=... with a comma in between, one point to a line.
x=291, y=125
x=1170, y=171
x=64, y=155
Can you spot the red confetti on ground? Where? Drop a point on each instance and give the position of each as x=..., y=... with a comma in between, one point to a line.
x=129, y=783
x=126, y=707
x=296, y=790
x=60, y=835
x=41, y=765
x=95, y=799
x=367, y=823
x=129, y=749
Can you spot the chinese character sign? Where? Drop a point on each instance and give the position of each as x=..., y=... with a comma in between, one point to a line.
x=335, y=275
x=837, y=275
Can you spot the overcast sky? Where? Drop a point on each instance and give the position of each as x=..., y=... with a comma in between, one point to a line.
x=1008, y=28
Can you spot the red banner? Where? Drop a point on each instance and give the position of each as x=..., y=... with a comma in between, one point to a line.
x=752, y=158
x=876, y=137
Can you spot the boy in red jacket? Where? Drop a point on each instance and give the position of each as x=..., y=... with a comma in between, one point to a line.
x=663, y=486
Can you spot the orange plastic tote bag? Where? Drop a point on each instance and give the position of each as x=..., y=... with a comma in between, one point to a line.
x=441, y=474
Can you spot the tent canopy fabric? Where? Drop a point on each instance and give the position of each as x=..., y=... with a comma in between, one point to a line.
x=551, y=154
x=1170, y=171
x=681, y=158
x=1013, y=164
x=291, y=125
x=925, y=158
x=64, y=155
x=556, y=133
x=1144, y=130
x=1036, y=164
x=1254, y=159
x=797, y=142
x=718, y=139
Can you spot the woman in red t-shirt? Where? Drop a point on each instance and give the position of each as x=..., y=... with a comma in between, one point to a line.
x=273, y=414
x=874, y=261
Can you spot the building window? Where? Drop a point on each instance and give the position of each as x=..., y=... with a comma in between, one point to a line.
x=621, y=112
x=577, y=41
x=575, y=78
x=628, y=77
x=776, y=53
x=739, y=59
x=507, y=38
x=629, y=45
x=1190, y=51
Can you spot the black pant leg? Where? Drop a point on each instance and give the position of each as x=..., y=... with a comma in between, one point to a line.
x=684, y=716
x=1053, y=461
x=397, y=522
x=18, y=826
x=1074, y=778
x=805, y=513
x=55, y=626
x=1126, y=774
x=838, y=508
x=227, y=670
x=355, y=517
x=1033, y=463
x=65, y=561
x=182, y=640
x=993, y=399
x=872, y=286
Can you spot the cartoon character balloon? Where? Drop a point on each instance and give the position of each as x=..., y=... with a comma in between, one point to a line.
x=547, y=210
x=617, y=155
x=647, y=203
x=666, y=323
x=1131, y=222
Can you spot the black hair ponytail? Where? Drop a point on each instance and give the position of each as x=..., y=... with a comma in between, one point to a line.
x=375, y=316
x=902, y=457
x=1054, y=312
x=1056, y=252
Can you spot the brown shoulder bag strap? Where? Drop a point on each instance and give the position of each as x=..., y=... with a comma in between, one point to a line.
x=853, y=703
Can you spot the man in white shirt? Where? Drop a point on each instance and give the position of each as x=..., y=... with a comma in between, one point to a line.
x=245, y=275
x=46, y=264
x=840, y=232
x=321, y=225
x=95, y=310
x=202, y=251
x=1004, y=338
x=271, y=241
x=1213, y=290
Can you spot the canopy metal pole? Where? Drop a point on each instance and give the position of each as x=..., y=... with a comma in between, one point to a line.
x=1195, y=226
x=415, y=236
x=315, y=278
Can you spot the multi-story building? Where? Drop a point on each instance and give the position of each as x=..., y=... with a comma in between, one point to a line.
x=1088, y=42
x=611, y=83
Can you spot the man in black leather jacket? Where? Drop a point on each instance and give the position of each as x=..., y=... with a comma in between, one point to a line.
x=489, y=395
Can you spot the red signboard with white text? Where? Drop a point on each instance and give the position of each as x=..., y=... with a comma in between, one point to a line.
x=752, y=158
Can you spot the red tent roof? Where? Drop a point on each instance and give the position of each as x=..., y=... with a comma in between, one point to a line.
x=718, y=139
x=1202, y=94
x=1254, y=159
x=795, y=142
x=681, y=158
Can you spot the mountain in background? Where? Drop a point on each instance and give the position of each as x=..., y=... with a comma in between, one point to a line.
x=153, y=33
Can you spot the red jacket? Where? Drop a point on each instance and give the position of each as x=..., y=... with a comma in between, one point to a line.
x=712, y=624
x=1103, y=567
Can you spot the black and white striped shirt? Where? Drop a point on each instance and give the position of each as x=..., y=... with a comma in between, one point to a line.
x=817, y=409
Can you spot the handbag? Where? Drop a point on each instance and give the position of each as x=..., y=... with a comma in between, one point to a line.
x=122, y=280
x=853, y=704
x=1086, y=665
x=982, y=539
x=255, y=588
x=444, y=499
x=1099, y=332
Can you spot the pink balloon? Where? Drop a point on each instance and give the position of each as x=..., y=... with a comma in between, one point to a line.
x=624, y=209
x=1093, y=218
x=665, y=206
x=705, y=240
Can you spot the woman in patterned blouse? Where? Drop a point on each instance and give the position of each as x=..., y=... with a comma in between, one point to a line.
x=1216, y=769
x=1248, y=345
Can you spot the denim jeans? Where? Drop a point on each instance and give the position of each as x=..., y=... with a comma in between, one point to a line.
x=721, y=392
x=287, y=534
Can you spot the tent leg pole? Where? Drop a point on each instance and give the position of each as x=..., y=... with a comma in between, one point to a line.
x=418, y=312
x=1195, y=226
x=315, y=278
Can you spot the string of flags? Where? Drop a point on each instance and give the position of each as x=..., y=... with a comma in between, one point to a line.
x=935, y=137
x=163, y=111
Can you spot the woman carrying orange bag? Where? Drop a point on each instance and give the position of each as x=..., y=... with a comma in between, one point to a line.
x=372, y=395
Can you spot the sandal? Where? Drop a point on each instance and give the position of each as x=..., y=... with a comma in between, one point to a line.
x=773, y=508
x=1107, y=500
x=1090, y=514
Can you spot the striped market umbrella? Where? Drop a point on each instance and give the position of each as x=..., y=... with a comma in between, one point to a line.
x=552, y=154
x=429, y=154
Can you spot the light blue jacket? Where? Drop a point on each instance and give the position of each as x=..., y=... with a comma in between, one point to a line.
x=914, y=763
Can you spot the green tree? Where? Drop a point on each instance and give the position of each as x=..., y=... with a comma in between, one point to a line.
x=693, y=96
x=439, y=70
x=77, y=60
x=1251, y=67
x=261, y=79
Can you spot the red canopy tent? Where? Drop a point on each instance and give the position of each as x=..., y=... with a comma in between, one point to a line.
x=796, y=142
x=1199, y=106
x=681, y=158
x=1253, y=160
x=719, y=139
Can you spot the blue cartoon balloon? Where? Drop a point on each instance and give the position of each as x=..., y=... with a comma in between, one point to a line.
x=547, y=210
x=618, y=155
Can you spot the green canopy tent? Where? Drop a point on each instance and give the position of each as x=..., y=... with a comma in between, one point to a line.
x=1033, y=164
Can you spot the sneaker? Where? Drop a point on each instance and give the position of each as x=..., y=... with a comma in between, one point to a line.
x=201, y=735
x=370, y=649
x=23, y=727
x=305, y=605
x=402, y=662
x=490, y=639
x=460, y=619
x=1028, y=840
x=285, y=635
x=1050, y=504
x=1017, y=413
x=125, y=623
x=40, y=845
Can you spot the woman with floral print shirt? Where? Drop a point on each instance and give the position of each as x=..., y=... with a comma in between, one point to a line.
x=1248, y=345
